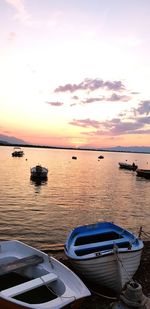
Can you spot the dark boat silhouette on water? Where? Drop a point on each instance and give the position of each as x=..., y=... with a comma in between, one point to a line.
x=127, y=166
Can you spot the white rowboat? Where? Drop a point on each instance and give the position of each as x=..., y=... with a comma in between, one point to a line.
x=104, y=253
x=29, y=278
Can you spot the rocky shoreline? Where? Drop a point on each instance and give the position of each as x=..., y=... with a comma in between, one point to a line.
x=100, y=296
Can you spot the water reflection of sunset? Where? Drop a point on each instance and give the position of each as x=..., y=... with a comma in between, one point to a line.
x=77, y=192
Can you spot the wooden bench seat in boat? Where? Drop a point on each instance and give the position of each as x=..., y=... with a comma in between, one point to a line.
x=101, y=246
x=20, y=263
x=29, y=285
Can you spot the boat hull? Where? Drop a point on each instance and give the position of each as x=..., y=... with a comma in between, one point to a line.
x=17, y=154
x=143, y=173
x=39, y=172
x=112, y=271
x=130, y=167
x=5, y=304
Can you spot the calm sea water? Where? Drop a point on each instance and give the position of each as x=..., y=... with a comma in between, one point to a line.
x=77, y=192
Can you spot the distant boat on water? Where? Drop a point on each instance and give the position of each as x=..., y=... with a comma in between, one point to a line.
x=104, y=253
x=74, y=158
x=39, y=172
x=143, y=173
x=17, y=152
x=101, y=157
x=127, y=166
x=30, y=279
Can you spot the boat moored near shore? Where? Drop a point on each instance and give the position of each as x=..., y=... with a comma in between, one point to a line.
x=39, y=172
x=143, y=173
x=74, y=158
x=17, y=152
x=29, y=278
x=131, y=167
x=104, y=253
x=101, y=157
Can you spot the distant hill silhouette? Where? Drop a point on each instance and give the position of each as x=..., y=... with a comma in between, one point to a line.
x=130, y=149
x=5, y=139
x=11, y=140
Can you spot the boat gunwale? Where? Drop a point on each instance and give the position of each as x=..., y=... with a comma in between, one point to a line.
x=101, y=255
x=126, y=236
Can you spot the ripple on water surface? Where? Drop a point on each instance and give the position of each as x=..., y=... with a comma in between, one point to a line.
x=76, y=192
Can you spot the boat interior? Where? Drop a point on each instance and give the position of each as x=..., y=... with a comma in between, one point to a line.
x=88, y=244
x=89, y=239
x=25, y=280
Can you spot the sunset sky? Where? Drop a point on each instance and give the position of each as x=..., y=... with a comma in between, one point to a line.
x=75, y=73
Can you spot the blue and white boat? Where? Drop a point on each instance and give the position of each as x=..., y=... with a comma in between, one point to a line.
x=104, y=253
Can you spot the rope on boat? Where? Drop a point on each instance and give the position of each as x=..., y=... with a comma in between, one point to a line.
x=47, y=286
x=53, y=292
x=104, y=296
x=141, y=232
x=119, y=260
x=51, y=262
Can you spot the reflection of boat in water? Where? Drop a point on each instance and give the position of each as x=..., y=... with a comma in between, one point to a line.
x=39, y=172
x=104, y=253
x=29, y=278
x=38, y=183
x=143, y=173
x=131, y=167
x=17, y=152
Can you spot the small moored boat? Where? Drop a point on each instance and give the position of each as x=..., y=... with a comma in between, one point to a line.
x=101, y=157
x=131, y=167
x=143, y=173
x=39, y=172
x=17, y=152
x=104, y=253
x=29, y=278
